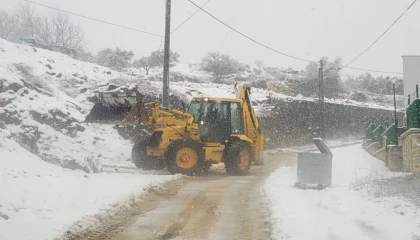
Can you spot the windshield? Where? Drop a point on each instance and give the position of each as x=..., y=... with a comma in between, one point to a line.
x=207, y=110
x=194, y=109
x=306, y=119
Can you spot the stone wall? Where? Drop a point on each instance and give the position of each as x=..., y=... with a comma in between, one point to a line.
x=297, y=122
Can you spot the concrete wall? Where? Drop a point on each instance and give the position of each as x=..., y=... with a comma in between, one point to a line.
x=411, y=70
x=297, y=122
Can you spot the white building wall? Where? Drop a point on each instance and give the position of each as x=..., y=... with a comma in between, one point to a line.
x=411, y=70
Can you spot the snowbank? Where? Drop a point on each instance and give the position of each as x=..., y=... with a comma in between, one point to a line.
x=339, y=212
x=40, y=200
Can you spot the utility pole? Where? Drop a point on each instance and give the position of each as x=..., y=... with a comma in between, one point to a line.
x=165, y=92
x=395, y=106
x=321, y=100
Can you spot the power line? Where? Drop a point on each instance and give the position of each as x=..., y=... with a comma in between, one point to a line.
x=186, y=20
x=284, y=54
x=381, y=34
x=201, y=8
x=161, y=40
x=369, y=70
x=94, y=19
x=249, y=38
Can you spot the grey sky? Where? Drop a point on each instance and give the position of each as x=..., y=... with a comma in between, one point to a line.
x=304, y=28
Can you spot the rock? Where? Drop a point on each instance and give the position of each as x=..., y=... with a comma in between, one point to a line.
x=4, y=216
x=89, y=164
x=58, y=121
x=83, y=90
x=14, y=87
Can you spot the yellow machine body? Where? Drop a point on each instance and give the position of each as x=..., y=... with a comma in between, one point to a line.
x=173, y=126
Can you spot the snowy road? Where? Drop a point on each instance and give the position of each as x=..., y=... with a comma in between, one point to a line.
x=265, y=205
x=129, y=204
x=215, y=206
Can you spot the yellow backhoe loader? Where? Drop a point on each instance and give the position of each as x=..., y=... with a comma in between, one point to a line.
x=212, y=130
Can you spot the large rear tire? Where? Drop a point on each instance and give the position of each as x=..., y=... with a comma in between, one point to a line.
x=237, y=158
x=185, y=156
x=141, y=160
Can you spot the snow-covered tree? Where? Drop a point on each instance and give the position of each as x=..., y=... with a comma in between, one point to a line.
x=380, y=85
x=8, y=25
x=260, y=65
x=144, y=62
x=84, y=55
x=309, y=86
x=28, y=21
x=155, y=60
x=116, y=60
x=60, y=31
x=219, y=65
x=157, y=57
x=57, y=33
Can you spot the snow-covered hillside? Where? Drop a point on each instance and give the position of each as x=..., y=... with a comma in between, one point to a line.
x=43, y=98
x=43, y=103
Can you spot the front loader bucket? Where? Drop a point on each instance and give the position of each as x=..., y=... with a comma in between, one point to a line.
x=113, y=102
x=314, y=169
x=138, y=114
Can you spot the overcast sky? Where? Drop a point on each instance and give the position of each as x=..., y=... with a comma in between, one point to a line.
x=304, y=28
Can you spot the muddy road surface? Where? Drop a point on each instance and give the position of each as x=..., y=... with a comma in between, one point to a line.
x=214, y=206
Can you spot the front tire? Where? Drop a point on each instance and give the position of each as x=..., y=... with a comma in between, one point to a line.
x=141, y=160
x=185, y=156
x=237, y=158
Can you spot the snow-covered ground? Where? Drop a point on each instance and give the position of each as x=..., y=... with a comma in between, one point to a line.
x=347, y=210
x=43, y=103
x=39, y=200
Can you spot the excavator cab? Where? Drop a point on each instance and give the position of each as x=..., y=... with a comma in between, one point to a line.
x=216, y=120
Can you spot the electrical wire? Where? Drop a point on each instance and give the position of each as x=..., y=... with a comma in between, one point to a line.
x=369, y=70
x=192, y=15
x=94, y=19
x=381, y=35
x=284, y=54
x=233, y=29
x=249, y=38
x=274, y=50
x=161, y=41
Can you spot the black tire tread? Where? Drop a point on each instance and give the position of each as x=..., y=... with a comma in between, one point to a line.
x=141, y=160
x=231, y=158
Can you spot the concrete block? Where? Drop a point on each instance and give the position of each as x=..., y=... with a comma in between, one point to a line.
x=372, y=148
x=366, y=143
